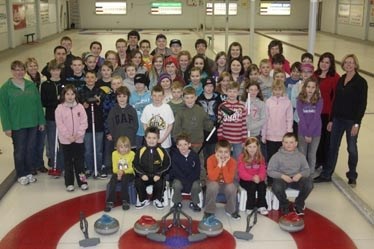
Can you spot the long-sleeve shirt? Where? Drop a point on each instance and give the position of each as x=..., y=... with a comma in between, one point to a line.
x=151, y=161
x=310, y=124
x=226, y=173
x=350, y=99
x=247, y=170
x=327, y=87
x=49, y=93
x=126, y=161
x=233, y=127
x=257, y=117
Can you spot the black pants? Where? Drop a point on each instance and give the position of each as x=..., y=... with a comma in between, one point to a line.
x=304, y=185
x=158, y=188
x=125, y=180
x=324, y=142
x=74, y=162
x=272, y=147
x=251, y=188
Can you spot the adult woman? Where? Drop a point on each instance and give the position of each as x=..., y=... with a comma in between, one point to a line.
x=221, y=64
x=276, y=47
x=21, y=116
x=236, y=70
x=114, y=58
x=235, y=51
x=347, y=112
x=328, y=79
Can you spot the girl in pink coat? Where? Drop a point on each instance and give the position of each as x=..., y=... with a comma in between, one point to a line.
x=71, y=122
x=252, y=175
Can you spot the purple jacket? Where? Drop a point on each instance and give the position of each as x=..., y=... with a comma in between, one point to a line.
x=310, y=123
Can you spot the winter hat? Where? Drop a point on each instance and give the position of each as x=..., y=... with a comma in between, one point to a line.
x=307, y=67
x=208, y=81
x=175, y=41
x=164, y=76
x=141, y=78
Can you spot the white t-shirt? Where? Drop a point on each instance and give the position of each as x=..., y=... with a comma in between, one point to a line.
x=160, y=117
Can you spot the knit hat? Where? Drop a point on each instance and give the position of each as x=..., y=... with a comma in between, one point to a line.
x=141, y=78
x=175, y=41
x=208, y=81
x=171, y=59
x=307, y=67
x=164, y=76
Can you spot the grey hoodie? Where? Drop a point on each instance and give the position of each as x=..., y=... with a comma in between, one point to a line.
x=288, y=163
x=256, y=119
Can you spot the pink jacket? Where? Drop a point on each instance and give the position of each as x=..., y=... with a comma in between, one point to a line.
x=248, y=170
x=279, y=118
x=71, y=121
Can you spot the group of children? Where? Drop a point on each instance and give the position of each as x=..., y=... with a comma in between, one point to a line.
x=152, y=126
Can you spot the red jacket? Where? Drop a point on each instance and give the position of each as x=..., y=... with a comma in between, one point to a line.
x=248, y=170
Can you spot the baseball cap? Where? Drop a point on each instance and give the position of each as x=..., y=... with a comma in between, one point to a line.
x=208, y=81
x=141, y=78
x=175, y=41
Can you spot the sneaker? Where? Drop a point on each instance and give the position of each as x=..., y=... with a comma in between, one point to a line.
x=103, y=172
x=125, y=205
x=299, y=211
x=142, y=204
x=195, y=207
x=43, y=169
x=70, y=188
x=234, y=216
x=88, y=173
x=31, y=178
x=108, y=206
x=352, y=182
x=23, y=180
x=263, y=211
x=84, y=186
x=158, y=204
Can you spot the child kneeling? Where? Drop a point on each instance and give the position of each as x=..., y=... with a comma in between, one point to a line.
x=221, y=172
x=289, y=168
x=185, y=172
x=123, y=172
x=252, y=175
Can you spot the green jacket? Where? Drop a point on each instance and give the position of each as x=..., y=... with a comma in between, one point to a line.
x=20, y=108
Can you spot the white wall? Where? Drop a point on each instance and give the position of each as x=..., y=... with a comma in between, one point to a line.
x=328, y=16
x=138, y=16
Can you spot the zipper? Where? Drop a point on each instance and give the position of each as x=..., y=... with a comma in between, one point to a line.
x=72, y=119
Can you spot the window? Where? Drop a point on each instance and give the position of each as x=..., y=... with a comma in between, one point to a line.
x=275, y=8
x=220, y=9
x=166, y=8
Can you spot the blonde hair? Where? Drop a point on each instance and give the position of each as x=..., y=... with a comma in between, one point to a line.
x=278, y=85
x=176, y=85
x=125, y=141
x=31, y=60
x=233, y=85
x=355, y=59
x=264, y=61
x=278, y=71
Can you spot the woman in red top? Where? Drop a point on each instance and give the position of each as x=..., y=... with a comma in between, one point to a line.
x=328, y=79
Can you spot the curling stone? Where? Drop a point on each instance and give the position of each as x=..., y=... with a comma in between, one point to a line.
x=145, y=225
x=291, y=222
x=210, y=226
x=106, y=225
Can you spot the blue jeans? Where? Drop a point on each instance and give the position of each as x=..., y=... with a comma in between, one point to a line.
x=24, y=148
x=89, y=150
x=51, y=140
x=39, y=149
x=236, y=150
x=339, y=126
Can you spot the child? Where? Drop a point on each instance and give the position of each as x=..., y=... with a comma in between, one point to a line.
x=294, y=78
x=123, y=172
x=209, y=101
x=159, y=115
x=223, y=82
x=71, y=122
x=221, y=64
x=171, y=67
x=307, y=58
x=91, y=96
x=67, y=43
x=50, y=93
x=279, y=75
x=156, y=70
x=195, y=77
x=121, y=47
x=255, y=109
x=193, y=120
x=150, y=164
x=278, y=64
x=278, y=120
x=145, y=47
x=237, y=73
x=233, y=127
x=137, y=58
x=176, y=103
x=139, y=99
x=130, y=75
x=184, y=58
x=96, y=48
x=90, y=62
x=175, y=47
x=221, y=172
x=122, y=118
x=78, y=78
x=185, y=172
x=265, y=79
x=114, y=59
x=289, y=168
x=106, y=71
x=309, y=108
x=165, y=82
x=161, y=48
x=247, y=62
x=252, y=175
